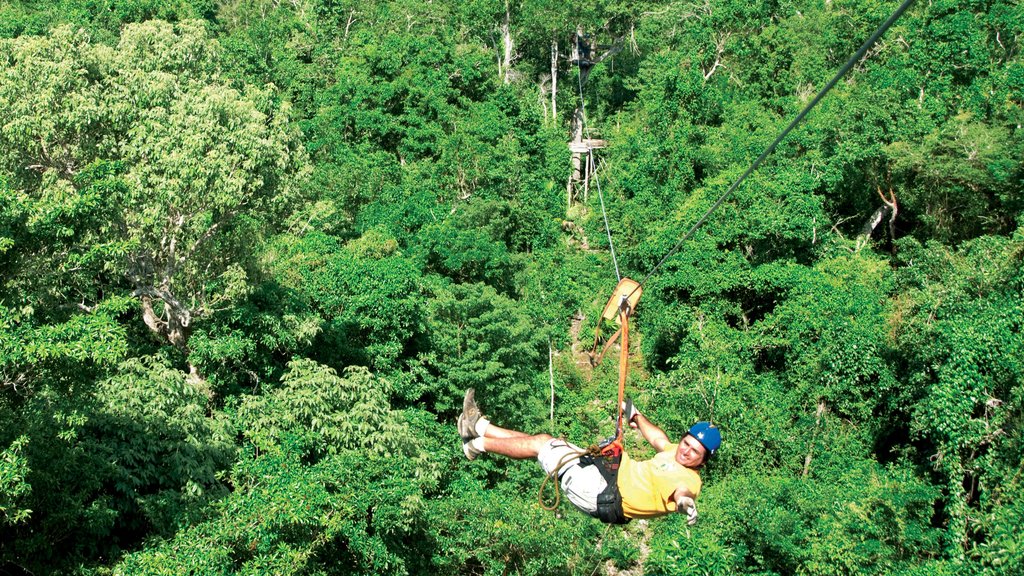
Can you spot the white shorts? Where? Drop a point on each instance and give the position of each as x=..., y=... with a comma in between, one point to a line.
x=580, y=484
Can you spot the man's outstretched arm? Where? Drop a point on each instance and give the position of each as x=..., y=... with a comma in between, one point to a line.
x=685, y=504
x=655, y=436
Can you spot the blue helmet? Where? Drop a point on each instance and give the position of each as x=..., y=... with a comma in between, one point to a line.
x=708, y=435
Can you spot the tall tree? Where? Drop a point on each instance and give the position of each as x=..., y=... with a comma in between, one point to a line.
x=197, y=167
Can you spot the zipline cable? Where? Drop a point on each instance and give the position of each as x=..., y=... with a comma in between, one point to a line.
x=799, y=117
x=597, y=181
x=607, y=229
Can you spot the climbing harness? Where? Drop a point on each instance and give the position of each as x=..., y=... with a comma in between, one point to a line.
x=609, y=501
x=607, y=457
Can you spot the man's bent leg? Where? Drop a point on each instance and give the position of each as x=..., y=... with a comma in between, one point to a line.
x=492, y=431
x=518, y=447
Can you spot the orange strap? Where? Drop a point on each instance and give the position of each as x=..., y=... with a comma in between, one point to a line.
x=595, y=361
x=615, y=447
x=622, y=303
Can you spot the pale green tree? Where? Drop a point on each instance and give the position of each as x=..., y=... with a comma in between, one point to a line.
x=194, y=168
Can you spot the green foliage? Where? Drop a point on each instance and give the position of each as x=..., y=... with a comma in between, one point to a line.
x=103, y=19
x=365, y=294
x=52, y=316
x=835, y=341
x=323, y=412
x=330, y=481
x=267, y=42
x=354, y=515
x=966, y=306
x=337, y=216
x=483, y=340
x=965, y=180
x=1001, y=552
x=13, y=470
x=166, y=452
x=33, y=344
x=466, y=255
x=853, y=518
x=498, y=542
x=136, y=455
x=622, y=548
x=199, y=167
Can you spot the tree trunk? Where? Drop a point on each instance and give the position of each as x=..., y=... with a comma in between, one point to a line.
x=869, y=227
x=507, y=48
x=173, y=325
x=551, y=376
x=890, y=208
x=817, y=426
x=554, y=80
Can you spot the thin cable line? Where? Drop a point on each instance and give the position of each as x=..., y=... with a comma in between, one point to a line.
x=597, y=182
x=590, y=164
x=799, y=117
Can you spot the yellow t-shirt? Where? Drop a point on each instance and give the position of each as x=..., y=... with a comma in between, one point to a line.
x=647, y=486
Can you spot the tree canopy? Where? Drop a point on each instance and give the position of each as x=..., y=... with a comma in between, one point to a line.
x=253, y=252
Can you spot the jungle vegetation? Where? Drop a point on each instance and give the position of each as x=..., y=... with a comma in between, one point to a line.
x=252, y=252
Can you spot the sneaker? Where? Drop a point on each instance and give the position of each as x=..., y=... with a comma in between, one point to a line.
x=466, y=432
x=470, y=415
x=470, y=452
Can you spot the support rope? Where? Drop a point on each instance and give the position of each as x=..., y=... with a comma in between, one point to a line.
x=607, y=228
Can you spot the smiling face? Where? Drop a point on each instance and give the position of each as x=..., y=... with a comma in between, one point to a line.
x=690, y=452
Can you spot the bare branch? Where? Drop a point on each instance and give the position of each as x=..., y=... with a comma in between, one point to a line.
x=822, y=407
x=348, y=25
x=723, y=37
x=835, y=226
x=893, y=208
x=19, y=379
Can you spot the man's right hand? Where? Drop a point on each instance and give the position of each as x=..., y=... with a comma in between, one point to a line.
x=630, y=412
x=686, y=505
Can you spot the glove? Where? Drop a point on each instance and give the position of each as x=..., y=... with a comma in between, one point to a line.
x=685, y=504
x=629, y=411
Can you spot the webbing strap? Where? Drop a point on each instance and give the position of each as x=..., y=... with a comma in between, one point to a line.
x=595, y=361
x=622, y=303
x=615, y=447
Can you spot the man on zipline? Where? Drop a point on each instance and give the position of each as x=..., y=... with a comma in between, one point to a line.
x=669, y=482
